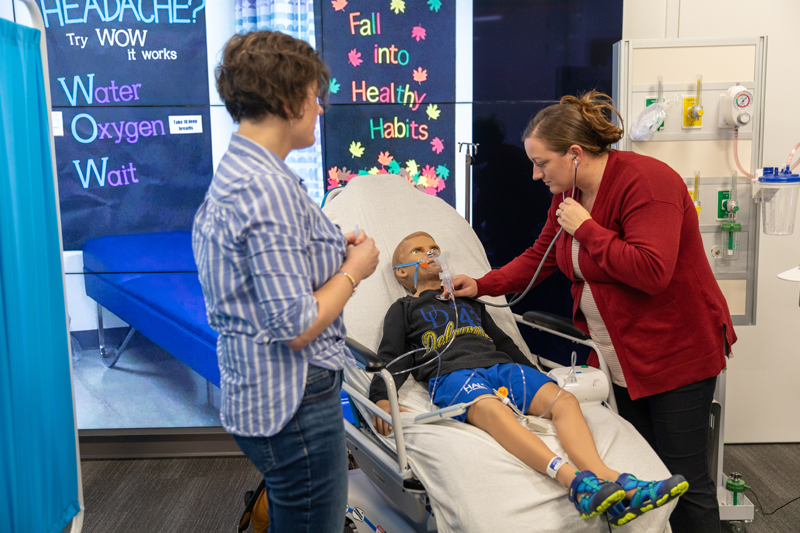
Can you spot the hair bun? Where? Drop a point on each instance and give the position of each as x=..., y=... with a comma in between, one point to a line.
x=584, y=120
x=598, y=109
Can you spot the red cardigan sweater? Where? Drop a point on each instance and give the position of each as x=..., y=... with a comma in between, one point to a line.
x=642, y=254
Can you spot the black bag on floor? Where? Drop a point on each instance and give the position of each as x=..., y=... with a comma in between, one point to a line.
x=256, y=510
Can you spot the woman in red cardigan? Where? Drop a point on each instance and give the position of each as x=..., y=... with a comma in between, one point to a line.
x=642, y=285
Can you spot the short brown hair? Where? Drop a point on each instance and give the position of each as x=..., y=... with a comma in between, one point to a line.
x=267, y=73
x=583, y=120
x=407, y=282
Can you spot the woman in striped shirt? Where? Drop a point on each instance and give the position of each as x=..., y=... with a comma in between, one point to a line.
x=276, y=274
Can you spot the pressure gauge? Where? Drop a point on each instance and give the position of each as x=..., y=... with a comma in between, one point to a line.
x=736, y=107
x=743, y=99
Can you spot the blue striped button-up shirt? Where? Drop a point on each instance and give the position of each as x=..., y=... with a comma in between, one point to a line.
x=262, y=248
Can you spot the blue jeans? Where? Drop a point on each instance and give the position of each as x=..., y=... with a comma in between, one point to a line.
x=305, y=463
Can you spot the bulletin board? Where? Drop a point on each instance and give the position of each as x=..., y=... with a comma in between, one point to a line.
x=130, y=92
x=392, y=91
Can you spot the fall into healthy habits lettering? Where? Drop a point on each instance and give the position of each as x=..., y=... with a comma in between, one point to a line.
x=390, y=94
x=389, y=56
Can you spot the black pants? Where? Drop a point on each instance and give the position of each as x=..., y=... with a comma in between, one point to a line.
x=675, y=424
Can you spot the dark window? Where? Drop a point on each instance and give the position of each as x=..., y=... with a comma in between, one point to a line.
x=526, y=55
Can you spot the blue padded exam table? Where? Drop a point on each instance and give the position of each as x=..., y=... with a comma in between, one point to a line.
x=150, y=281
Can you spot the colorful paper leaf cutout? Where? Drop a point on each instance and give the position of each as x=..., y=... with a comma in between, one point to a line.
x=354, y=57
x=436, y=5
x=419, y=75
x=333, y=173
x=363, y=172
x=384, y=158
x=382, y=171
x=339, y=5
x=356, y=149
x=398, y=6
x=433, y=111
x=443, y=172
x=373, y=170
x=411, y=166
x=394, y=167
x=333, y=86
x=438, y=145
x=418, y=32
x=429, y=172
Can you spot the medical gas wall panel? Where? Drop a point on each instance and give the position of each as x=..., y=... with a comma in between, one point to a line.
x=689, y=77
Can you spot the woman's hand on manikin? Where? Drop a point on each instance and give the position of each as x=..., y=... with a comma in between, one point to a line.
x=463, y=286
x=571, y=215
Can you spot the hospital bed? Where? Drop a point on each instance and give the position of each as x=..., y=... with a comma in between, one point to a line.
x=449, y=475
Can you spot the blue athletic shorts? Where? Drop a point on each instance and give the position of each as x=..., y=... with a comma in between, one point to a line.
x=463, y=386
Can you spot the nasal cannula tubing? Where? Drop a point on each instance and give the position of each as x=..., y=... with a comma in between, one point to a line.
x=546, y=253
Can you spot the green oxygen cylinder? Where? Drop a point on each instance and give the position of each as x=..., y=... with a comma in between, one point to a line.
x=736, y=487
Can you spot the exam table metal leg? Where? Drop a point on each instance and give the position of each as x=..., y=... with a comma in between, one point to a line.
x=110, y=356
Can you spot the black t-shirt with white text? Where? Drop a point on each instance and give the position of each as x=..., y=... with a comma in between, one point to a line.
x=428, y=322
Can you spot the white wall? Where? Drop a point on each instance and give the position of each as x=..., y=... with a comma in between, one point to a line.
x=763, y=388
x=6, y=10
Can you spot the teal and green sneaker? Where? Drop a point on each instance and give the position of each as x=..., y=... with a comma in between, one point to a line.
x=591, y=496
x=649, y=495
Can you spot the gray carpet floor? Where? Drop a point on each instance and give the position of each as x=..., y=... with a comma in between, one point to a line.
x=203, y=495
x=772, y=470
x=198, y=494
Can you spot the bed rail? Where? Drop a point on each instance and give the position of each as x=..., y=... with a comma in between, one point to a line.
x=561, y=327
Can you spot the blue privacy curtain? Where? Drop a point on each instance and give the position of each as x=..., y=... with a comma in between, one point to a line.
x=295, y=18
x=38, y=459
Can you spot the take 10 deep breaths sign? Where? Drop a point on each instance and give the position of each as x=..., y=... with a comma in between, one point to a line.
x=392, y=88
x=129, y=86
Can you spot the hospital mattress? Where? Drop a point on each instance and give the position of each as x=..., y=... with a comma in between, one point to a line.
x=150, y=281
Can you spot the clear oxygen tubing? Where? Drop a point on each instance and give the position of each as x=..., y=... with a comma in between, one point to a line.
x=569, y=379
x=546, y=253
x=736, y=153
x=791, y=156
x=511, y=404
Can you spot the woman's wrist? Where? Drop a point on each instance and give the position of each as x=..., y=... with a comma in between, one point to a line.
x=352, y=270
x=349, y=277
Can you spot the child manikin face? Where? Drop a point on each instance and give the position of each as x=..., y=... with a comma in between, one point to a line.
x=416, y=249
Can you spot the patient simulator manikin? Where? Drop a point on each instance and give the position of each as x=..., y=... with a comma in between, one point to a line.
x=456, y=348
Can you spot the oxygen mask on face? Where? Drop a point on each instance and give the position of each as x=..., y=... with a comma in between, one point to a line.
x=445, y=274
x=429, y=262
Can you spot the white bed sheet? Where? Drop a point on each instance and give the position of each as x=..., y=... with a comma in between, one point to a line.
x=474, y=484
